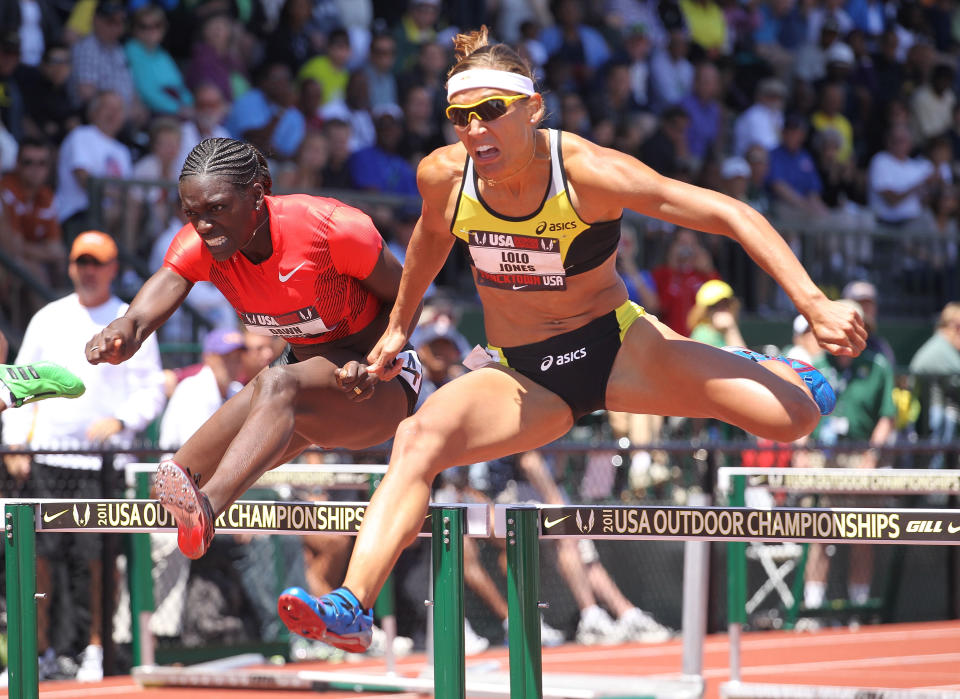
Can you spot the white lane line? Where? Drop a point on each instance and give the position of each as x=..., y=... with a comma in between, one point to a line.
x=891, y=661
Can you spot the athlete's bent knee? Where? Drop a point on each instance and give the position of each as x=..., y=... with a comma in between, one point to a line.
x=418, y=446
x=276, y=383
x=804, y=417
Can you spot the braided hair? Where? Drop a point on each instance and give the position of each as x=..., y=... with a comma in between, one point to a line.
x=238, y=162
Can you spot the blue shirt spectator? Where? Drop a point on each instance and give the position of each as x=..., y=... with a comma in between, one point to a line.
x=156, y=76
x=587, y=51
x=796, y=168
x=380, y=168
x=703, y=107
x=265, y=115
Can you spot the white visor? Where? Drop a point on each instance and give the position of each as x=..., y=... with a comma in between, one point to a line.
x=485, y=77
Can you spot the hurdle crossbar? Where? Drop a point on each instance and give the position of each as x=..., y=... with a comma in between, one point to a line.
x=24, y=519
x=878, y=481
x=913, y=526
x=523, y=526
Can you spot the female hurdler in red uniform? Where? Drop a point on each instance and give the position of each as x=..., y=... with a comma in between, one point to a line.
x=311, y=270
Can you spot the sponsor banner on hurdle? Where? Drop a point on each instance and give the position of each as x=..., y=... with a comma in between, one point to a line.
x=242, y=516
x=880, y=481
x=745, y=524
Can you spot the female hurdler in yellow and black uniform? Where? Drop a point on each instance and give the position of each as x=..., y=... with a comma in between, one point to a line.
x=540, y=215
x=541, y=252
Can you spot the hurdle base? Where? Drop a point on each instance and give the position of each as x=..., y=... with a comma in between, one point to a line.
x=555, y=686
x=750, y=690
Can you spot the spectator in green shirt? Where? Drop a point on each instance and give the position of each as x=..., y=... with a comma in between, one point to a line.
x=864, y=413
x=937, y=368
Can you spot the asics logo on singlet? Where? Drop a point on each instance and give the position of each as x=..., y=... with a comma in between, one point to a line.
x=561, y=359
x=554, y=226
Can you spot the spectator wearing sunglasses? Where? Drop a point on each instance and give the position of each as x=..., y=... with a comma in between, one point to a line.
x=50, y=111
x=538, y=212
x=156, y=77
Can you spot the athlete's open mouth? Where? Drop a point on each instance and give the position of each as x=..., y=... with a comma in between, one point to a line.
x=487, y=153
x=216, y=241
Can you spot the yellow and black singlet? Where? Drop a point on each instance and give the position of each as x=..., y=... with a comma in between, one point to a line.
x=536, y=252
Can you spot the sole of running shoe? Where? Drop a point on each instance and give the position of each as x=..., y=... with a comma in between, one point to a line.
x=301, y=619
x=180, y=497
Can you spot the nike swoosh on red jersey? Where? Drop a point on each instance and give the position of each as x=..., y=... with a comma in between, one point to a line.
x=284, y=277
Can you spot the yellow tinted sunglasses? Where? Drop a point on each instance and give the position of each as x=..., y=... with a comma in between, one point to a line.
x=487, y=109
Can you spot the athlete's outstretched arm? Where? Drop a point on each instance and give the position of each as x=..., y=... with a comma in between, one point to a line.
x=614, y=180
x=156, y=301
x=427, y=250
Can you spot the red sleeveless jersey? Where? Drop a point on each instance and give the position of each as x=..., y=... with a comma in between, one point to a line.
x=308, y=291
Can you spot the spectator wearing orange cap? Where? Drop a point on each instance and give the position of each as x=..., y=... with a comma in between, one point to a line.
x=119, y=402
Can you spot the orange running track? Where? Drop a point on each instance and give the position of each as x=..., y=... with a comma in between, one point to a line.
x=922, y=656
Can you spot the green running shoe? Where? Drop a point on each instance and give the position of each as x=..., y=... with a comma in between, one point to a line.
x=32, y=382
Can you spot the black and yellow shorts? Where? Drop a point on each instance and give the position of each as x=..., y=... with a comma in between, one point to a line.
x=575, y=365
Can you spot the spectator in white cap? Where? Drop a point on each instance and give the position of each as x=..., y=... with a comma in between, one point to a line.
x=865, y=293
x=735, y=176
x=805, y=347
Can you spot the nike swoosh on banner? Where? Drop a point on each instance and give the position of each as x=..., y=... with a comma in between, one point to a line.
x=49, y=518
x=547, y=524
x=285, y=277
x=953, y=529
x=522, y=286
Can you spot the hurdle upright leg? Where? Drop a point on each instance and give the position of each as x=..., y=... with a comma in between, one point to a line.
x=736, y=584
x=450, y=672
x=523, y=608
x=21, y=571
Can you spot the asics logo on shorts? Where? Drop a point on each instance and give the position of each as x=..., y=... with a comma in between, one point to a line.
x=561, y=359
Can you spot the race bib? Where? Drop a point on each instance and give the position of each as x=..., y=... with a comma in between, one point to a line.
x=305, y=322
x=517, y=262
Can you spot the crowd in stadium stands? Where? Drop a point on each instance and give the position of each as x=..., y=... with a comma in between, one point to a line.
x=837, y=118
x=825, y=115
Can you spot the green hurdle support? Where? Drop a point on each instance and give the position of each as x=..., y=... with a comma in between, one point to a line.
x=20, y=550
x=736, y=582
x=140, y=581
x=523, y=606
x=449, y=656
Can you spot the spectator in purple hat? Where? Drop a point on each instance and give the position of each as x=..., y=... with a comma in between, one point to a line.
x=199, y=396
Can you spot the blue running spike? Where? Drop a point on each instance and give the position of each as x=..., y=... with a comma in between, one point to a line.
x=821, y=389
x=336, y=618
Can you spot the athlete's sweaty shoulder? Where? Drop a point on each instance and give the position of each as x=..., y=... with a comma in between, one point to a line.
x=188, y=256
x=439, y=173
x=600, y=177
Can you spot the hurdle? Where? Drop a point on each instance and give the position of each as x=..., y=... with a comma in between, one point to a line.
x=916, y=526
x=330, y=477
x=525, y=525
x=446, y=524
